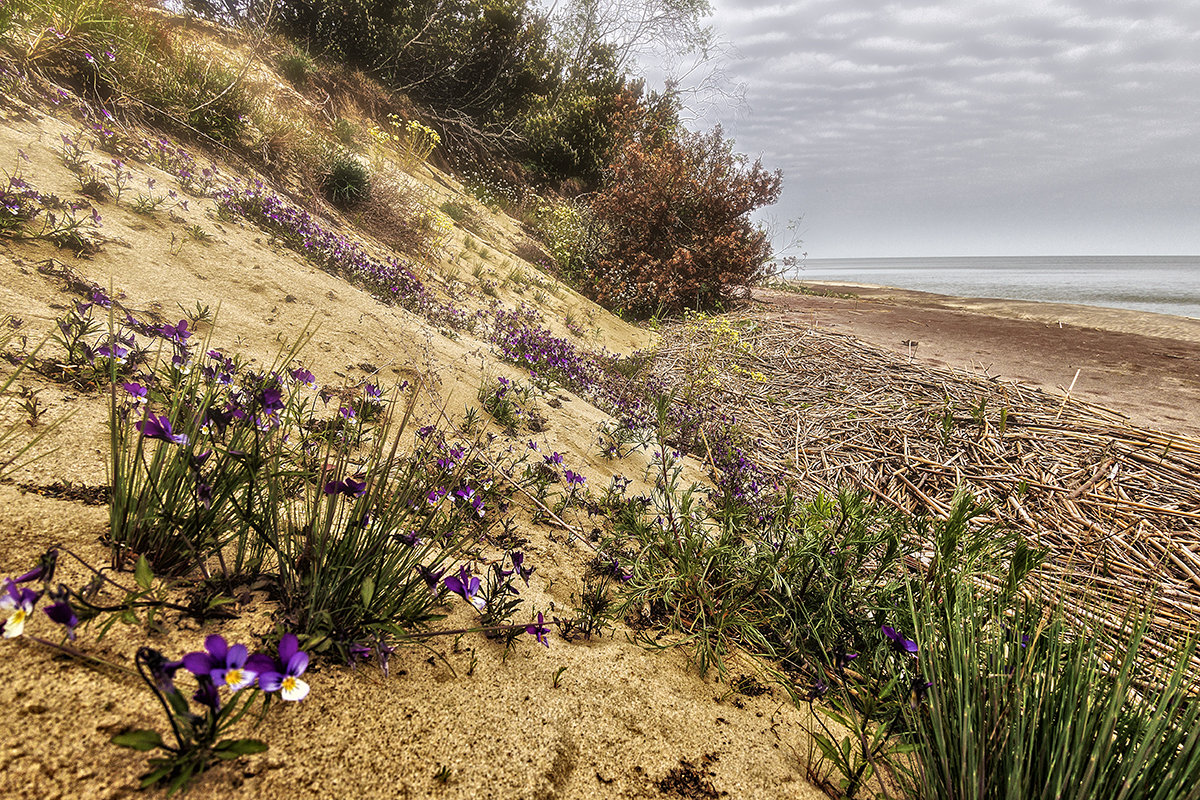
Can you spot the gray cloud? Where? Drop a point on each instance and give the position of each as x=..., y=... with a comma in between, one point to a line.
x=1016, y=127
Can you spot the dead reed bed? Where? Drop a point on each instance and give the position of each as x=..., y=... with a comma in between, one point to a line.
x=1117, y=506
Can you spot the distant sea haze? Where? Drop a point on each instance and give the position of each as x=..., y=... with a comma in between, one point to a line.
x=1163, y=284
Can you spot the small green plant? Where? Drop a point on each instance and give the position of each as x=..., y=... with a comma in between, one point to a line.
x=597, y=603
x=200, y=314
x=345, y=131
x=147, y=204
x=504, y=401
x=295, y=67
x=455, y=211
x=347, y=180
x=198, y=234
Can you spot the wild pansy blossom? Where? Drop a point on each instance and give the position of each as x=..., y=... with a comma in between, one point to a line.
x=303, y=376
x=430, y=575
x=518, y=563
x=539, y=630
x=159, y=427
x=137, y=392
x=224, y=665
x=617, y=571
x=179, y=334
x=284, y=677
x=574, y=478
x=349, y=487
x=899, y=642
x=467, y=494
x=61, y=612
x=466, y=587
x=16, y=602
x=408, y=539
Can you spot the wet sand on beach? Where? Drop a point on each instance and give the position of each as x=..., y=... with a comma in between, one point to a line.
x=1145, y=366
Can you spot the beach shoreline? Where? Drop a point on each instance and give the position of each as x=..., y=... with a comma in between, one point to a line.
x=1141, y=364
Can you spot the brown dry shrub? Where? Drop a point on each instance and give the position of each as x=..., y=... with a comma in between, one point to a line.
x=674, y=225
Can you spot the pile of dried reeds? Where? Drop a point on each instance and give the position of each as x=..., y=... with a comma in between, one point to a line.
x=1118, y=506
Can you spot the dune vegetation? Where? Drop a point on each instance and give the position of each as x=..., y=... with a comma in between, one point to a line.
x=333, y=461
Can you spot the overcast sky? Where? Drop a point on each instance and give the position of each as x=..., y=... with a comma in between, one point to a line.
x=1022, y=127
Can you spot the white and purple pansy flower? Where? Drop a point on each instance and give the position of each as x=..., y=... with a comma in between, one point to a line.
x=231, y=667
x=466, y=587
x=16, y=603
x=284, y=674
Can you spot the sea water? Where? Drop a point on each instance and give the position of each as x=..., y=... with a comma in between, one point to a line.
x=1163, y=284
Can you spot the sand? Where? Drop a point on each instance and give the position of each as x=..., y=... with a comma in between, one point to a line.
x=1144, y=365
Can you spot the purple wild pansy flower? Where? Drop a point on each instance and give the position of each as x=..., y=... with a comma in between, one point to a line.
x=409, y=539
x=899, y=642
x=207, y=694
x=466, y=587
x=539, y=630
x=154, y=427
x=175, y=333
x=204, y=494
x=16, y=603
x=424, y=431
x=271, y=399
x=44, y=571
x=920, y=689
x=60, y=610
x=224, y=665
x=284, y=676
x=162, y=672
x=620, y=573
x=136, y=391
x=301, y=375
x=553, y=460
x=373, y=391
x=518, y=563
x=430, y=575
x=574, y=478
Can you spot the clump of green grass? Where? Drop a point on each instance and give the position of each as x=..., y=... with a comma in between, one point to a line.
x=1028, y=703
x=345, y=131
x=347, y=180
x=295, y=67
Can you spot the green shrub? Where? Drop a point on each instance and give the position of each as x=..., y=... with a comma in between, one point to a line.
x=565, y=228
x=295, y=67
x=347, y=180
x=345, y=131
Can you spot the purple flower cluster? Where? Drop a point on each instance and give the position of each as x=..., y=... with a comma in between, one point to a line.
x=219, y=665
x=389, y=279
x=523, y=340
